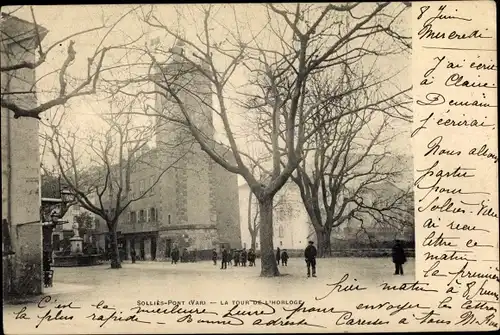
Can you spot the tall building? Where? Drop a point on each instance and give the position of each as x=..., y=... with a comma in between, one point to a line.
x=20, y=161
x=194, y=205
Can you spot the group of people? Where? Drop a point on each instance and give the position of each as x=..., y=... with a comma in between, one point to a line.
x=241, y=257
x=283, y=256
x=235, y=257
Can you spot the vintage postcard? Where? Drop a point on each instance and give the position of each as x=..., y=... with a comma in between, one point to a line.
x=249, y=168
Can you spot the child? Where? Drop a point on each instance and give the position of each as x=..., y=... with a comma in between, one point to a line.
x=284, y=258
x=214, y=256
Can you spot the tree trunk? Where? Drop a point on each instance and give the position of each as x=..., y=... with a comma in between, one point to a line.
x=254, y=240
x=269, y=268
x=252, y=231
x=324, y=244
x=115, y=254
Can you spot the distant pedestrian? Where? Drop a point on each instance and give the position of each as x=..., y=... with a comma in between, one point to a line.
x=278, y=255
x=284, y=258
x=251, y=257
x=310, y=255
x=230, y=255
x=175, y=255
x=224, y=258
x=243, y=257
x=236, y=257
x=133, y=255
x=214, y=256
x=398, y=257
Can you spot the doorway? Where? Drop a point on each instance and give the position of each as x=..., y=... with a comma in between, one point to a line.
x=168, y=248
x=142, y=249
x=153, y=248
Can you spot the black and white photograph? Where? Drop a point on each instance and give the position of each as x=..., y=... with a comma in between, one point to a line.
x=180, y=168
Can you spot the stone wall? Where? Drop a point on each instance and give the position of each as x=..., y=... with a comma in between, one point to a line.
x=228, y=209
x=197, y=239
x=21, y=182
x=198, y=189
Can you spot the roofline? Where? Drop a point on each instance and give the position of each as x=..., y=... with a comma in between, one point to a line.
x=42, y=31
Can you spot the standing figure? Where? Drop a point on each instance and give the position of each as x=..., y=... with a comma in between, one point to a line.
x=175, y=255
x=230, y=255
x=236, y=258
x=398, y=257
x=224, y=258
x=214, y=256
x=243, y=257
x=133, y=255
x=310, y=255
x=251, y=257
x=278, y=255
x=284, y=258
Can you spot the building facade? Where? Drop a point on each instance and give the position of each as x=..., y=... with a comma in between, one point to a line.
x=290, y=220
x=20, y=161
x=194, y=204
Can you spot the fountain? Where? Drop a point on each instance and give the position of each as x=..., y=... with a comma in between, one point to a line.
x=76, y=242
x=76, y=256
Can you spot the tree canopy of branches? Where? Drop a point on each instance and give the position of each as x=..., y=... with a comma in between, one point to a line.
x=23, y=51
x=346, y=161
x=291, y=44
x=97, y=168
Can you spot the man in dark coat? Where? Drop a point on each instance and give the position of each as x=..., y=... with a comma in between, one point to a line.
x=278, y=255
x=175, y=255
x=398, y=257
x=236, y=258
x=243, y=257
x=214, y=256
x=224, y=258
x=284, y=258
x=251, y=257
x=310, y=255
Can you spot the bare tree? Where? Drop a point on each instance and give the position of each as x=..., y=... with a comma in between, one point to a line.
x=346, y=162
x=97, y=168
x=278, y=59
x=23, y=51
x=386, y=210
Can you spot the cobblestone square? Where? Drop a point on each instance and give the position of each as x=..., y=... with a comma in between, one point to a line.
x=145, y=283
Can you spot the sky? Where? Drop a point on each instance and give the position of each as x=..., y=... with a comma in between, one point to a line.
x=62, y=21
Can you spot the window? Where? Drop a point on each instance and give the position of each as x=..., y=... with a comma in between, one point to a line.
x=151, y=183
x=133, y=217
x=169, y=219
x=152, y=215
x=280, y=231
x=141, y=187
x=281, y=243
x=256, y=245
x=142, y=215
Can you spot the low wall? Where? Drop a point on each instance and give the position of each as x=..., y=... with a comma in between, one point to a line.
x=81, y=260
x=352, y=253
